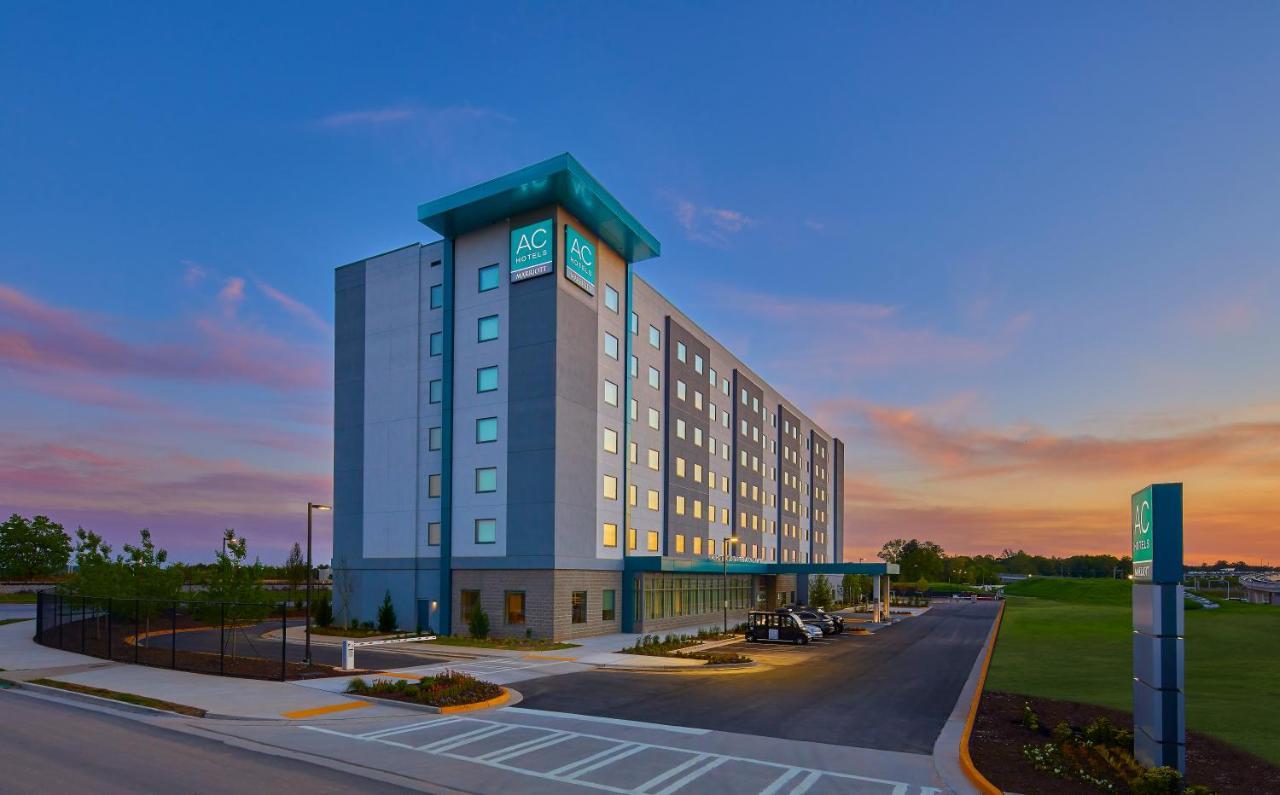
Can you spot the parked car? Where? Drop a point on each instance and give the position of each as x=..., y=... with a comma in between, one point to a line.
x=779, y=626
x=818, y=619
x=815, y=632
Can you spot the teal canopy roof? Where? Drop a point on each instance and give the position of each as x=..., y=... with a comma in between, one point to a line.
x=560, y=180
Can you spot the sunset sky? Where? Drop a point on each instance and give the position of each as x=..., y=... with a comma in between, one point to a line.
x=1024, y=259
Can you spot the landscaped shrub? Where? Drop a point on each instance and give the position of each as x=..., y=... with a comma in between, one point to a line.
x=324, y=610
x=1029, y=717
x=1157, y=781
x=448, y=689
x=387, y=615
x=478, y=622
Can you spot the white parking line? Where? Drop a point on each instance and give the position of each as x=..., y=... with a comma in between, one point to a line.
x=618, y=757
x=673, y=772
x=635, y=724
x=559, y=771
x=680, y=782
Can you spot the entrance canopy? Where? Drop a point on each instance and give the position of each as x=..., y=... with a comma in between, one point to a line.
x=640, y=563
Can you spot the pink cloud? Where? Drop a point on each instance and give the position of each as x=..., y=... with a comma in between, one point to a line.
x=711, y=225
x=294, y=307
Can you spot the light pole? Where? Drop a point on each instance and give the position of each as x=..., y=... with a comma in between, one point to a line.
x=724, y=556
x=306, y=656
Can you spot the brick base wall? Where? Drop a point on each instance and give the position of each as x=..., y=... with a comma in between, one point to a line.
x=548, y=601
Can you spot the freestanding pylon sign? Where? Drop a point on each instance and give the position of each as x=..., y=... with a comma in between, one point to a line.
x=1159, y=705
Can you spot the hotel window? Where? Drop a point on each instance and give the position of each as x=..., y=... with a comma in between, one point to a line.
x=697, y=401
x=631, y=451
x=470, y=601
x=744, y=397
x=654, y=460
x=610, y=393
x=437, y=296
x=486, y=480
x=724, y=385
x=635, y=367
x=742, y=489
x=610, y=440
x=679, y=428
x=488, y=277
x=724, y=483
x=680, y=543
x=486, y=531
x=655, y=337
x=578, y=607
x=487, y=379
x=610, y=487
x=697, y=509
x=631, y=538
x=745, y=428
x=755, y=405
x=486, y=430
x=433, y=534
x=679, y=505
x=610, y=345
x=487, y=328
x=610, y=298
x=680, y=389
x=610, y=535
x=651, y=540
x=434, y=390
x=631, y=495
x=655, y=378
x=681, y=353
x=697, y=363
x=436, y=343
x=635, y=323
x=433, y=438
x=697, y=473
x=697, y=545
x=724, y=516
x=711, y=376
x=433, y=485
x=654, y=419
x=697, y=437
x=514, y=603
x=711, y=547
x=679, y=466
x=653, y=500
x=607, y=608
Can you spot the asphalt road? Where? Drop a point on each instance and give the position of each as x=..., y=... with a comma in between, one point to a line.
x=890, y=691
x=49, y=747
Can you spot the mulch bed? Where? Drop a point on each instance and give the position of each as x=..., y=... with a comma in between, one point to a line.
x=998, y=737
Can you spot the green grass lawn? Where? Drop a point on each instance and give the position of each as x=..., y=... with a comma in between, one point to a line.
x=1071, y=639
x=17, y=598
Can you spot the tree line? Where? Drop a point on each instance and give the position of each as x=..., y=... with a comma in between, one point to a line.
x=925, y=560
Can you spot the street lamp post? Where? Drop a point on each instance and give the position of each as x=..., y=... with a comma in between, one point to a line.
x=306, y=656
x=724, y=556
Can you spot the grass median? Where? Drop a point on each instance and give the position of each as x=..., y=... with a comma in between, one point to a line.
x=1071, y=640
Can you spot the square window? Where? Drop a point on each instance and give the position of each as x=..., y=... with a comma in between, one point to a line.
x=652, y=540
x=433, y=485
x=610, y=345
x=486, y=480
x=610, y=487
x=435, y=390
x=610, y=393
x=681, y=352
x=486, y=531
x=610, y=440
x=488, y=278
x=486, y=430
x=608, y=609
x=514, y=604
x=655, y=378
x=578, y=607
x=655, y=337
x=433, y=438
x=610, y=298
x=437, y=296
x=487, y=379
x=433, y=534
x=610, y=535
x=436, y=346
x=487, y=328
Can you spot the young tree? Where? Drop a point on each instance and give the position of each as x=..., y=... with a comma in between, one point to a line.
x=233, y=580
x=820, y=591
x=344, y=586
x=324, y=610
x=478, y=622
x=850, y=589
x=150, y=581
x=35, y=547
x=295, y=568
x=387, y=615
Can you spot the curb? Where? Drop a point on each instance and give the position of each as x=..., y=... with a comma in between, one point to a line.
x=509, y=698
x=110, y=703
x=966, y=761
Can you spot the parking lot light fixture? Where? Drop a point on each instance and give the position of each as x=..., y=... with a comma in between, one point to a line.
x=311, y=506
x=724, y=587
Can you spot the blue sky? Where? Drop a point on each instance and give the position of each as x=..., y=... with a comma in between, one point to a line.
x=1022, y=257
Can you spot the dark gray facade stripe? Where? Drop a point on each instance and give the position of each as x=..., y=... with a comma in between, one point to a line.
x=629, y=581
x=788, y=494
x=348, y=412
x=837, y=489
x=446, y=444
x=744, y=473
x=675, y=409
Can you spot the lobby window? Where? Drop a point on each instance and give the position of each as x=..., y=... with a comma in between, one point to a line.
x=680, y=389
x=655, y=338
x=487, y=379
x=486, y=531
x=609, y=536
x=433, y=485
x=610, y=393
x=681, y=351
x=653, y=459
x=655, y=419
x=433, y=534
x=610, y=345
x=486, y=430
x=514, y=604
x=610, y=440
x=578, y=607
x=610, y=487
x=653, y=499
x=655, y=378
x=468, y=602
x=486, y=480
x=631, y=538
x=487, y=328
x=437, y=296
x=488, y=278
x=607, y=605
x=680, y=543
x=610, y=298
x=679, y=466
x=652, y=541
x=697, y=363
x=433, y=438
x=435, y=390
x=436, y=343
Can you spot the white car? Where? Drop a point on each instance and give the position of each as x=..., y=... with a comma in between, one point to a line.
x=815, y=633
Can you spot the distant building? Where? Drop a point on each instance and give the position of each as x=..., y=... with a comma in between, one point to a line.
x=1006, y=578
x=1262, y=588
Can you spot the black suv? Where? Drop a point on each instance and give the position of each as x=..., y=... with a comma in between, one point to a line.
x=829, y=623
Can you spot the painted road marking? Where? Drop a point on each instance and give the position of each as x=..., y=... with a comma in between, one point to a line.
x=329, y=710
x=792, y=779
x=635, y=724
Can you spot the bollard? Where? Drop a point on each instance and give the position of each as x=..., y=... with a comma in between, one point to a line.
x=348, y=656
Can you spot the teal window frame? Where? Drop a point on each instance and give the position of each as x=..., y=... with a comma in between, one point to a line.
x=435, y=344
x=490, y=531
x=486, y=480
x=487, y=328
x=482, y=376
x=483, y=423
x=487, y=278
x=437, y=296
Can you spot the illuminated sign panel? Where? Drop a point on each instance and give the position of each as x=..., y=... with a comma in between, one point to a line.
x=1142, y=535
x=533, y=250
x=579, y=260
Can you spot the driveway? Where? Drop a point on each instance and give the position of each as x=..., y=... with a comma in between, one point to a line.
x=890, y=691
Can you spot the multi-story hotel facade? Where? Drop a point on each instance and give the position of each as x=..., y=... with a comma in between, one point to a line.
x=524, y=424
